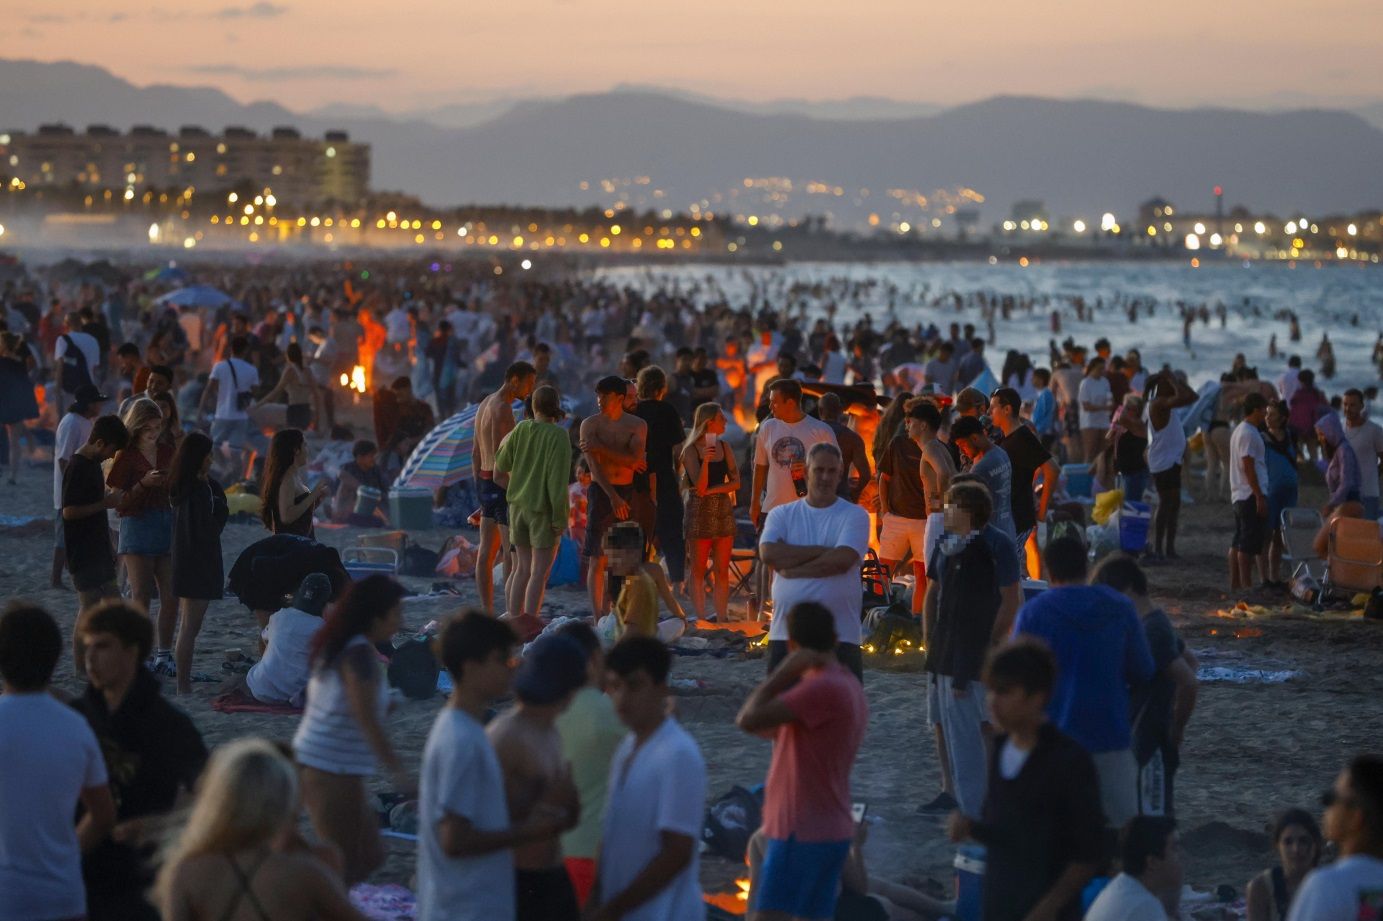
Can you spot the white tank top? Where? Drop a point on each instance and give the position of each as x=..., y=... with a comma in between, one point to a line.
x=329, y=737
x=1167, y=446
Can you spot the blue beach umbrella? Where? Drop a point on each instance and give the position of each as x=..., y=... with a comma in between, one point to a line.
x=195, y=296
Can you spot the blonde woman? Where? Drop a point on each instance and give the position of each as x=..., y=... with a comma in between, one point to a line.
x=240, y=857
x=140, y=472
x=714, y=480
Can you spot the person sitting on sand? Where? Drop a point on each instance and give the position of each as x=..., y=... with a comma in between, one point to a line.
x=1351, y=888
x=644, y=582
x=240, y=857
x=1149, y=888
x=362, y=470
x=281, y=675
x=1297, y=839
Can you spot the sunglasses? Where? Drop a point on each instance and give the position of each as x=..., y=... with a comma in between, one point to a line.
x=1331, y=797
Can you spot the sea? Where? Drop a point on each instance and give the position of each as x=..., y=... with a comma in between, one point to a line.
x=1344, y=302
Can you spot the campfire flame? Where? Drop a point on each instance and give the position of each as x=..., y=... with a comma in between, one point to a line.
x=355, y=380
x=733, y=903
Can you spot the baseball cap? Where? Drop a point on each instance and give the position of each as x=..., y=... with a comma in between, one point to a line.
x=968, y=398
x=966, y=426
x=88, y=395
x=554, y=666
x=313, y=594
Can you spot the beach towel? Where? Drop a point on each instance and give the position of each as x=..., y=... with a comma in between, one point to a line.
x=390, y=902
x=238, y=700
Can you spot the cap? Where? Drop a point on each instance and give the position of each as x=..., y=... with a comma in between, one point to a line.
x=553, y=667
x=87, y=395
x=313, y=594
x=969, y=397
x=966, y=426
x=611, y=383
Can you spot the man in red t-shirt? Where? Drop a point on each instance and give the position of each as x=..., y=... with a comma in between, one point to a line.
x=815, y=711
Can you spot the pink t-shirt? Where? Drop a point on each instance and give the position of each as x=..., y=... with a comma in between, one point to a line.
x=808, y=789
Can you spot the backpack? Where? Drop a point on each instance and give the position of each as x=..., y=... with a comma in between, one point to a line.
x=731, y=820
x=74, y=373
x=413, y=669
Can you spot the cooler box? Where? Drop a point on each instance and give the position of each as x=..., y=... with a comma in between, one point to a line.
x=367, y=499
x=1031, y=588
x=1134, y=520
x=410, y=508
x=970, y=863
x=1080, y=482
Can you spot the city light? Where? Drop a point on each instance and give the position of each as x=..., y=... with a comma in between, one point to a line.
x=1200, y=228
x=1260, y=228
x=1216, y=239
x=1193, y=241
x=1078, y=226
x=153, y=233
x=1291, y=227
x=1352, y=230
x=904, y=227
x=232, y=198
x=526, y=264
x=1108, y=222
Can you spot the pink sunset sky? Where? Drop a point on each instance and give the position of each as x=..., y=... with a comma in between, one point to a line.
x=418, y=53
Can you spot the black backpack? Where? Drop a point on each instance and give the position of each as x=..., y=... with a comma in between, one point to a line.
x=731, y=820
x=73, y=373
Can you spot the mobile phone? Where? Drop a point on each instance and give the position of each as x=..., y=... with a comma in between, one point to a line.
x=859, y=811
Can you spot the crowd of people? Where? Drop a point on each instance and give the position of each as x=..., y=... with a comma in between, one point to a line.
x=1058, y=698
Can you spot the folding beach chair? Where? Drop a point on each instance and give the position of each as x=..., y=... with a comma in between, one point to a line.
x=743, y=562
x=1299, y=529
x=1354, y=556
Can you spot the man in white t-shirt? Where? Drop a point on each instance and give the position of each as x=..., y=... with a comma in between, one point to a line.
x=398, y=326
x=233, y=381
x=1248, y=490
x=465, y=839
x=655, y=801
x=1351, y=888
x=815, y=546
x=1366, y=438
x=73, y=430
x=1149, y=888
x=1096, y=405
x=52, y=762
x=85, y=343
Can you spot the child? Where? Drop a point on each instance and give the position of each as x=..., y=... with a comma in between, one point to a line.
x=637, y=605
x=85, y=501
x=578, y=494
x=1041, y=824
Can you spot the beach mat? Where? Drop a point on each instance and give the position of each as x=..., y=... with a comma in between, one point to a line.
x=238, y=700
x=390, y=902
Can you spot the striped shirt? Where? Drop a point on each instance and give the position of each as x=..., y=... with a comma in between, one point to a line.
x=329, y=737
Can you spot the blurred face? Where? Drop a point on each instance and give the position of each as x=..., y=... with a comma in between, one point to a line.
x=1014, y=707
x=966, y=446
x=493, y=674
x=631, y=398
x=622, y=561
x=823, y=474
x=1353, y=408
x=1168, y=869
x=158, y=384
x=610, y=403
x=385, y=627
x=541, y=360
x=109, y=662
x=638, y=701
x=1297, y=850
x=958, y=519
x=1276, y=418
x=716, y=424
x=368, y=461
x=1343, y=818
x=778, y=403
x=205, y=469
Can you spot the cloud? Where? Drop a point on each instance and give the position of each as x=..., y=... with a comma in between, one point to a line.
x=261, y=10
x=271, y=74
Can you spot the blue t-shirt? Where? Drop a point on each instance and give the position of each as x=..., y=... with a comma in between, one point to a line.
x=1100, y=651
x=997, y=473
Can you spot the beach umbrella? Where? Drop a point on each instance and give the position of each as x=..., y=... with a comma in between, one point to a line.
x=195, y=296
x=443, y=457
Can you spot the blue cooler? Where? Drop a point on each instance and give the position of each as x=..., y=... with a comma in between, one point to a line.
x=410, y=508
x=1134, y=519
x=970, y=863
x=1080, y=482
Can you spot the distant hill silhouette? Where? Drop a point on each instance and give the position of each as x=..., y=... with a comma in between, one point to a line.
x=1081, y=157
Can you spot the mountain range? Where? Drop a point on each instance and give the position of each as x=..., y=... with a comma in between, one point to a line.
x=668, y=149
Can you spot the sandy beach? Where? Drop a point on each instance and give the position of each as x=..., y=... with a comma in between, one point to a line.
x=1251, y=748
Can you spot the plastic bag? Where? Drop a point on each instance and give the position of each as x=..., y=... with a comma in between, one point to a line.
x=607, y=630
x=1106, y=504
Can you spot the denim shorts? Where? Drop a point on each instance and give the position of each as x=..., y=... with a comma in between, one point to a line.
x=148, y=534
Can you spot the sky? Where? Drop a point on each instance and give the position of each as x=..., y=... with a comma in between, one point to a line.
x=410, y=54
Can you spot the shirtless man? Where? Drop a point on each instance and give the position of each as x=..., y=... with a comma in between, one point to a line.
x=493, y=420
x=529, y=748
x=613, y=443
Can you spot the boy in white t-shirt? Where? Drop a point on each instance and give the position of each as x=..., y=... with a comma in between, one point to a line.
x=465, y=839
x=52, y=762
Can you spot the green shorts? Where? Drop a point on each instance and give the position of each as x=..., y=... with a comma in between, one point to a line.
x=530, y=529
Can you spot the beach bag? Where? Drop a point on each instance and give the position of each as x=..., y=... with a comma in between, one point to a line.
x=1061, y=524
x=413, y=669
x=731, y=820
x=566, y=569
x=457, y=559
x=243, y=398
x=418, y=561
x=891, y=626
x=74, y=373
